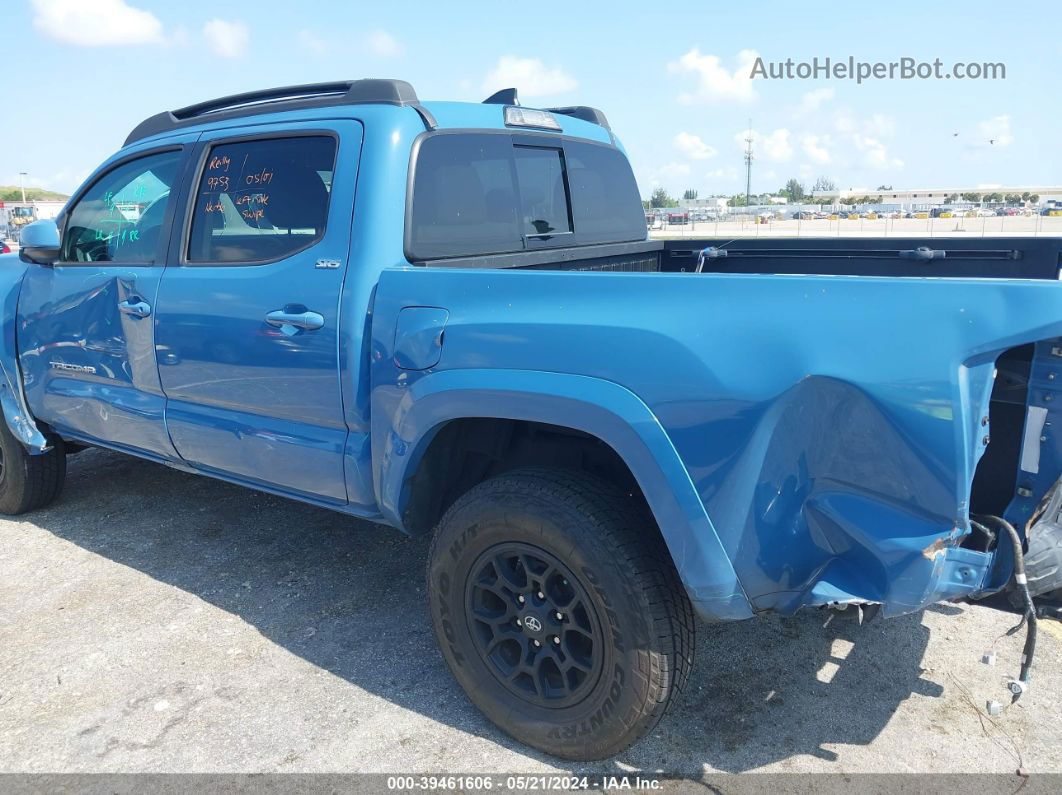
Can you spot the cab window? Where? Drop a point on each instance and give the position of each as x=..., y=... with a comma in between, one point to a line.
x=261, y=200
x=120, y=218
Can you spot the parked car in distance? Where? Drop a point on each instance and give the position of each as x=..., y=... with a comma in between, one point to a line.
x=448, y=318
x=4, y=247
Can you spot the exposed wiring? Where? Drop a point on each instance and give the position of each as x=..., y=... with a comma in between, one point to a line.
x=1018, y=687
x=986, y=532
x=1014, y=750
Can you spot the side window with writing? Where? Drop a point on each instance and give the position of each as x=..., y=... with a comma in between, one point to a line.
x=261, y=200
x=120, y=218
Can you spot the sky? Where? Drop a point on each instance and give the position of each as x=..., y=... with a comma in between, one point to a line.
x=674, y=79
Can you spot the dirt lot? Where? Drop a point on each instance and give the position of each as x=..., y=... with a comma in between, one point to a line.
x=157, y=621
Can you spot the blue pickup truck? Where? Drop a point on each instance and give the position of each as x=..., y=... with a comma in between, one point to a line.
x=447, y=318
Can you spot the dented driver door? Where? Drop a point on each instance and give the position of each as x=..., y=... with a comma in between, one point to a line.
x=86, y=324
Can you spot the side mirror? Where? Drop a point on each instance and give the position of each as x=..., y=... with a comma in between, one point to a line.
x=39, y=243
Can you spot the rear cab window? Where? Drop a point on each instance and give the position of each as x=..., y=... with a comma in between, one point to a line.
x=496, y=193
x=261, y=200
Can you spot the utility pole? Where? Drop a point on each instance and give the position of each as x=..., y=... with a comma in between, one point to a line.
x=748, y=165
x=22, y=184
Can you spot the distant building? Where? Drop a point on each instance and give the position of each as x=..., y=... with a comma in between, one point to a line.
x=927, y=197
x=713, y=203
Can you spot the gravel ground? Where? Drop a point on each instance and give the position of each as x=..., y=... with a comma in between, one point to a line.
x=154, y=621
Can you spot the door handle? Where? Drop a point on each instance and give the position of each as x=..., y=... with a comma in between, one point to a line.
x=288, y=322
x=135, y=307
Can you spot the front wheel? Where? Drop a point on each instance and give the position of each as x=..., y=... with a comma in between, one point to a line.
x=28, y=481
x=558, y=609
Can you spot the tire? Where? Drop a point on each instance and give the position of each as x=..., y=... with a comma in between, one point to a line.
x=573, y=546
x=28, y=482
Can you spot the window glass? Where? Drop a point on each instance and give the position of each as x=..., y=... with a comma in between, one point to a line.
x=464, y=202
x=543, y=191
x=262, y=200
x=605, y=199
x=119, y=219
x=482, y=194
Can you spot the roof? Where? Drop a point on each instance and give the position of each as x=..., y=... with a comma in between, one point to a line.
x=579, y=119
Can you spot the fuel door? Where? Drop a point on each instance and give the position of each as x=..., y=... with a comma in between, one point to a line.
x=419, y=337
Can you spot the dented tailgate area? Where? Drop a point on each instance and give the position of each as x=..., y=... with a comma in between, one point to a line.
x=873, y=547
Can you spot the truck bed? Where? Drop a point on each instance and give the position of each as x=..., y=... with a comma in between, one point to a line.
x=809, y=414
x=1000, y=257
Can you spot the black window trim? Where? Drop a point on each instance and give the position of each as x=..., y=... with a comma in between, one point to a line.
x=63, y=219
x=205, y=147
x=518, y=137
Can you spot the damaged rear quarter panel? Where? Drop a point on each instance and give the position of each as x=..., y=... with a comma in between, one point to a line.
x=831, y=425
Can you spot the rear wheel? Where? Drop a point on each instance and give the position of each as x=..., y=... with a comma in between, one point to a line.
x=558, y=609
x=28, y=481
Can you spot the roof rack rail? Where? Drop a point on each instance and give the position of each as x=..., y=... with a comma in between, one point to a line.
x=583, y=112
x=269, y=100
x=506, y=96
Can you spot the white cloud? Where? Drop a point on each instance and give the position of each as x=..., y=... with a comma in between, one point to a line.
x=867, y=136
x=880, y=125
x=383, y=44
x=877, y=125
x=530, y=76
x=311, y=42
x=712, y=80
x=815, y=147
x=227, y=39
x=693, y=147
x=775, y=146
x=673, y=176
x=875, y=154
x=995, y=132
x=813, y=100
x=96, y=23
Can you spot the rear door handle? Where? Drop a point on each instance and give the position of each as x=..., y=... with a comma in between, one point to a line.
x=289, y=322
x=137, y=307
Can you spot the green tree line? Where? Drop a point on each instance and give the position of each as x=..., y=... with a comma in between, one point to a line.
x=13, y=193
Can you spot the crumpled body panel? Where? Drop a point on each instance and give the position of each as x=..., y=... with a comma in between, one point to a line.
x=12, y=394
